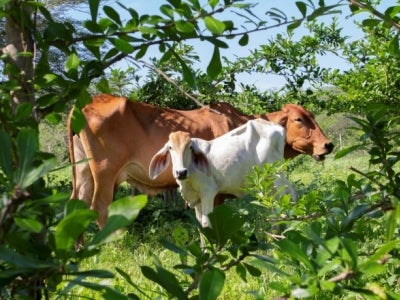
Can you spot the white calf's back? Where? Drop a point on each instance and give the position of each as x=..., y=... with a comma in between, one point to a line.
x=203, y=168
x=232, y=155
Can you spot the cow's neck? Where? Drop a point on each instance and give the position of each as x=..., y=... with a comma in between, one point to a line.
x=290, y=152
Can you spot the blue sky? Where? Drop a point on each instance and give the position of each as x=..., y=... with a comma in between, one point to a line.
x=204, y=49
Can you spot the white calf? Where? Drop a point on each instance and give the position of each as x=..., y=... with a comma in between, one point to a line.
x=204, y=169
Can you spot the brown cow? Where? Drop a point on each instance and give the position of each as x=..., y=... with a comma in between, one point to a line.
x=121, y=137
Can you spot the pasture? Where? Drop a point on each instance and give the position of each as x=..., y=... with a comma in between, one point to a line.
x=142, y=243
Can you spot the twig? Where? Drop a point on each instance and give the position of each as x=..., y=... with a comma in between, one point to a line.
x=171, y=81
x=181, y=90
x=375, y=13
x=343, y=276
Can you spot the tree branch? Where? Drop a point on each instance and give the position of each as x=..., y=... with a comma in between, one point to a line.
x=376, y=13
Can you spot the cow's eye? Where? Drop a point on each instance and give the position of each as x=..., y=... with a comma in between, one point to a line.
x=191, y=147
x=298, y=120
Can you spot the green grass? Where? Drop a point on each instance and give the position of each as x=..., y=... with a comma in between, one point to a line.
x=141, y=244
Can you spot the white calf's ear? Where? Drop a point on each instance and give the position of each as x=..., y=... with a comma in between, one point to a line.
x=159, y=162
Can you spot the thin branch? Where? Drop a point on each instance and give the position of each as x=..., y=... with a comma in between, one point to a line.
x=376, y=13
x=171, y=81
x=181, y=90
x=343, y=276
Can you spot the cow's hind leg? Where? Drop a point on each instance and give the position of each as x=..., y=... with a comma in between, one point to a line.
x=83, y=185
x=104, y=184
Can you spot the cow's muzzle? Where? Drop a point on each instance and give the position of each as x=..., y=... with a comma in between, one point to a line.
x=328, y=149
x=181, y=174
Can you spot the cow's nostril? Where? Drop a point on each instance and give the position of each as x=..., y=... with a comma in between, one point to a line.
x=181, y=174
x=329, y=146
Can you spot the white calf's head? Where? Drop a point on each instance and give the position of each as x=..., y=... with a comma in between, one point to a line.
x=183, y=152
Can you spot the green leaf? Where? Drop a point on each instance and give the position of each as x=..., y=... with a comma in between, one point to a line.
x=351, y=251
x=213, y=3
x=255, y=272
x=188, y=75
x=167, y=10
x=22, y=261
x=142, y=51
x=103, y=86
x=94, y=9
x=373, y=268
x=346, y=151
x=327, y=250
x=294, y=251
x=384, y=249
x=355, y=214
x=225, y=223
x=165, y=279
x=184, y=26
x=121, y=213
x=70, y=228
x=392, y=220
x=302, y=8
x=78, y=120
x=195, y=249
x=215, y=65
x=72, y=62
x=180, y=235
x=148, y=30
x=122, y=45
x=27, y=145
x=213, y=25
x=93, y=27
x=83, y=98
x=112, y=14
x=38, y=171
x=327, y=285
x=294, y=25
x=372, y=23
x=5, y=154
x=172, y=247
x=211, y=284
x=244, y=40
x=53, y=118
x=24, y=110
x=31, y=225
x=73, y=205
x=241, y=271
x=394, y=45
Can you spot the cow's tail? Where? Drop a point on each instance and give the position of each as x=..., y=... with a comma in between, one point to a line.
x=71, y=152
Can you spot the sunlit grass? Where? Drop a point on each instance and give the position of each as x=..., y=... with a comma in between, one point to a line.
x=141, y=245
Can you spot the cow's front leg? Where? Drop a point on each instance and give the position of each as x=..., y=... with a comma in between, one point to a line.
x=207, y=206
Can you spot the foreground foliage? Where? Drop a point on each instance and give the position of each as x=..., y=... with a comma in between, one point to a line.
x=323, y=246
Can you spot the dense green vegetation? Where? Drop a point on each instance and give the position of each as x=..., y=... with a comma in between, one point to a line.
x=340, y=240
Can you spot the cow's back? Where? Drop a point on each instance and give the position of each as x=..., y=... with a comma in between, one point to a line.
x=121, y=136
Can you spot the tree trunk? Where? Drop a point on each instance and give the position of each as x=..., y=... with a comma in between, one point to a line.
x=20, y=52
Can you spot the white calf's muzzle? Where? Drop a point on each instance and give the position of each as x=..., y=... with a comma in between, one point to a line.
x=181, y=174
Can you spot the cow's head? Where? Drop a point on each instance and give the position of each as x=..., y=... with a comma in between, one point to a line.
x=303, y=135
x=183, y=152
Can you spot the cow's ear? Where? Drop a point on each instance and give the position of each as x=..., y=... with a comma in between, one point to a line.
x=159, y=162
x=200, y=159
x=281, y=117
